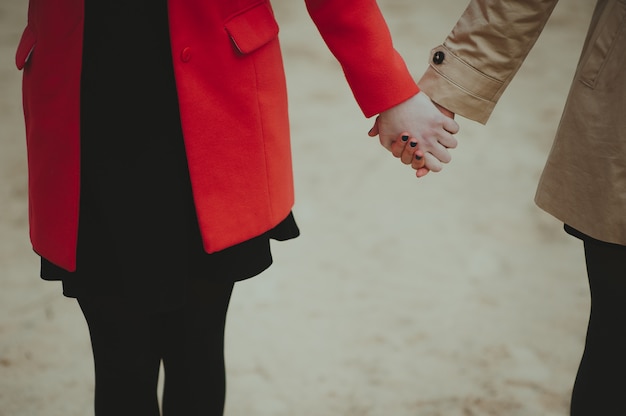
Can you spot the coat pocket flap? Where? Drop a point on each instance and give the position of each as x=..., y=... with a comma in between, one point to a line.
x=25, y=47
x=252, y=28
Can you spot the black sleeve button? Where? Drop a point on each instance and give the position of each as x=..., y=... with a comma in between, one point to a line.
x=438, y=57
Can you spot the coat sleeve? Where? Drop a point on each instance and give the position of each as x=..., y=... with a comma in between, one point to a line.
x=358, y=36
x=469, y=72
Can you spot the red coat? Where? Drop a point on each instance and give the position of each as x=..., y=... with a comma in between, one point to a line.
x=230, y=83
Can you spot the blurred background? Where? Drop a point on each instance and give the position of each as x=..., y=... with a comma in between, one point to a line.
x=448, y=295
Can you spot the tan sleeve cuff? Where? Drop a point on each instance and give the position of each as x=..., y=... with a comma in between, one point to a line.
x=459, y=87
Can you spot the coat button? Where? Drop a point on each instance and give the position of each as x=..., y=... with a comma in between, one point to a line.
x=438, y=57
x=185, y=55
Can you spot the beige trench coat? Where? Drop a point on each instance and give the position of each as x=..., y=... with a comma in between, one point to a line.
x=584, y=181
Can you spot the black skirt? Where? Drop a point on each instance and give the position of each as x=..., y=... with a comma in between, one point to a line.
x=138, y=231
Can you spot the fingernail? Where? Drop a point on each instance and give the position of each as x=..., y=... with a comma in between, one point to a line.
x=418, y=157
x=413, y=144
x=405, y=138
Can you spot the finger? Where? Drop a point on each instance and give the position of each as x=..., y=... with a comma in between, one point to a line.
x=409, y=151
x=439, y=152
x=397, y=147
x=374, y=130
x=447, y=140
x=450, y=125
x=432, y=163
x=418, y=161
x=420, y=173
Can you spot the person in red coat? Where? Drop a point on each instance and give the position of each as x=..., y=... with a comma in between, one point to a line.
x=140, y=199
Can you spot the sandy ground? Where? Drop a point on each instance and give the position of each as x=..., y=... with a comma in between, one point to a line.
x=450, y=295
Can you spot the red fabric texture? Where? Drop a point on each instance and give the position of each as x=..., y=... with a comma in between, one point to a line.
x=232, y=95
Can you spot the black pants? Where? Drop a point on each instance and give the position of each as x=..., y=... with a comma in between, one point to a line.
x=129, y=344
x=601, y=380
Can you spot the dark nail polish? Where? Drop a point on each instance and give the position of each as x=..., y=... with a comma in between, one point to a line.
x=418, y=157
x=405, y=138
x=413, y=144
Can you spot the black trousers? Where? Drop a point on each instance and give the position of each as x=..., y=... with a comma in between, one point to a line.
x=129, y=345
x=601, y=380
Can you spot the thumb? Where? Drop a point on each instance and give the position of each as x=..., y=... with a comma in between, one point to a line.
x=444, y=110
x=374, y=130
x=449, y=124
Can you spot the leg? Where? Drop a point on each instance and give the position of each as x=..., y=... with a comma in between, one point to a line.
x=126, y=357
x=195, y=382
x=601, y=381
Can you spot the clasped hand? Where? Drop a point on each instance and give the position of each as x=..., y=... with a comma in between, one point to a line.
x=418, y=132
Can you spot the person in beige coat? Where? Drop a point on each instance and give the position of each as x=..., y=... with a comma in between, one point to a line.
x=584, y=180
